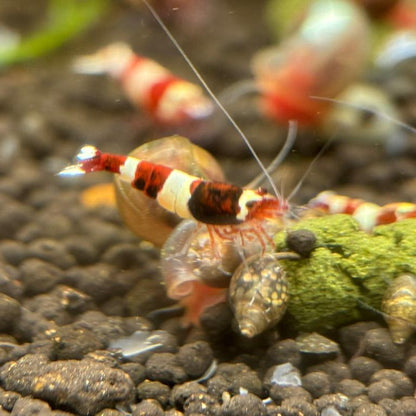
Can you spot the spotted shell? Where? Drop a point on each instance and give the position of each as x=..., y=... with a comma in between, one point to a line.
x=399, y=306
x=258, y=294
x=143, y=215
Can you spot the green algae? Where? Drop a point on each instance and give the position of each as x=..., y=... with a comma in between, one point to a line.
x=66, y=19
x=348, y=272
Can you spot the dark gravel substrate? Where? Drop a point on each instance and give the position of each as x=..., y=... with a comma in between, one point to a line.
x=73, y=279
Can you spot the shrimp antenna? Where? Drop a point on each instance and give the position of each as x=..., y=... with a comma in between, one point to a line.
x=281, y=156
x=212, y=95
x=379, y=114
x=308, y=170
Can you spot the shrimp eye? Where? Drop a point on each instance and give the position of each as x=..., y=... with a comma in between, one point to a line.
x=262, y=191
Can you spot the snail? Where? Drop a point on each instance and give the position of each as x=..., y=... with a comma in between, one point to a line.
x=143, y=215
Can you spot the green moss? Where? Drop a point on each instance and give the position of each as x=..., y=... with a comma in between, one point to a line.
x=348, y=270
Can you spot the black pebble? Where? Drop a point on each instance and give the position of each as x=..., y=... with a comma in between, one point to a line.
x=317, y=383
x=244, y=405
x=39, y=276
x=301, y=242
x=136, y=371
x=9, y=312
x=195, y=358
x=147, y=408
x=362, y=368
x=154, y=390
x=165, y=367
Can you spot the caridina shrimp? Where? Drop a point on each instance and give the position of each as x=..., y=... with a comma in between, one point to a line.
x=231, y=223
x=168, y=99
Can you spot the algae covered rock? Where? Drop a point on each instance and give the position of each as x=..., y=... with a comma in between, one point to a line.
x=349, y=271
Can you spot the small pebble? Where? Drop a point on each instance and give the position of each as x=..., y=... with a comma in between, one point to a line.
x=14, y=217
x=410, y=367
x=201, y=404
x=389, y=405
x=10, y=312
x=278, y=394
x=378, y=344
x=296, y=406
x=317, y=383
x=51, y=251
x=337, y=400
x=195, y=358
x=301, y=241
x=181, y=392
x=154, y=390
x=50, y=307
x=370, y=409
x=381, y=390
x=31, y=325
x=8, y=399
x=30, y=406
x=217, y=385
x=350, y=388
x=216, y=320
x=336, y=370
x=285, y=351
x=136, y=371
x=399, y=379
x=13, y=252
x=146, y=296
x=82, y=250
x=240, y=376
x=173, y=412
x=282, y=375
x=244, y=405
x=72, y=300
x=39, y=276
x=97, y=281
x=72, y=343
x=109, y=412
x=124, y=256
x=165, y=367
x=362, y=368
x=351, y=336
x=104, y=328
x=406, y=406
x=316, y=348
x=10, y=281
x=147, y=408
x=358, y=401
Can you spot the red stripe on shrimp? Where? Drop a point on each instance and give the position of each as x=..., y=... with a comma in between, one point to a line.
x=150, y=178
x=212, y=203
x=156, y=93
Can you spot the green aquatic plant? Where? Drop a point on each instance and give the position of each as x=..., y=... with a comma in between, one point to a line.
x=66, y=18
x=349, y=271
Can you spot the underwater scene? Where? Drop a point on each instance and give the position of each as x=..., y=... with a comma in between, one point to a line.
x=208, y=207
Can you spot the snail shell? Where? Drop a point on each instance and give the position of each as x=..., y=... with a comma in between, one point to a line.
x=399, y=305
x=190, y=254
x=258, y=293
x=143, y=215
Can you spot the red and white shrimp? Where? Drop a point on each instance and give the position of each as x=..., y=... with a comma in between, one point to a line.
x=221, y=206
x=367, y=214
x=168, y=99
x=327, y=52
x=237, y=221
